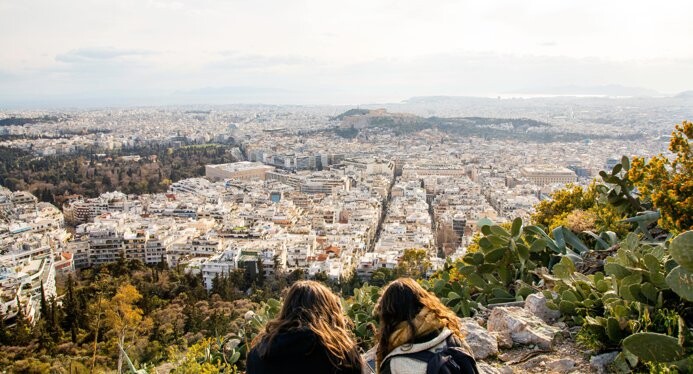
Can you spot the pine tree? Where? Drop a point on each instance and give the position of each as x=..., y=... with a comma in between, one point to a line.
x=44, y=304
x=54, y=321
x=22, y=330
x=4, y=334
x=217, y=285
x=72, y=309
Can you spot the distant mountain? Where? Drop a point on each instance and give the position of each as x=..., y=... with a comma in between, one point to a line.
x=685, y=95
x=605, y=90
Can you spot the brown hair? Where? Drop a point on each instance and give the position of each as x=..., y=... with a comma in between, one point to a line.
x=401, y=301
x=309, y=304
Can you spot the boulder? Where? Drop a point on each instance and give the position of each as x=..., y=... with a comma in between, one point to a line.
x=522, y=326
x=536, y=304
x=535, y=362
x=562, y=366
x=503, y=338
x=482, y=343
x=600, y=362
x=485, y=368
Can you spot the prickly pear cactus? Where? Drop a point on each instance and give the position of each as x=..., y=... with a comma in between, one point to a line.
x=650, y=346
x=681, y=249
x=681, y=281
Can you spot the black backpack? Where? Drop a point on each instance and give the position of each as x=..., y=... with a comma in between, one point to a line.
x=451, y=360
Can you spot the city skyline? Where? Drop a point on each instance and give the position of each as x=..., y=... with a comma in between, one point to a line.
x=177, y=52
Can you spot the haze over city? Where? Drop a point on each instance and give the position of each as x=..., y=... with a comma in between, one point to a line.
x=259, y=187
x=100, y=53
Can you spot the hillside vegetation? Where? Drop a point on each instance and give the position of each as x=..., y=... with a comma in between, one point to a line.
x=353, y=121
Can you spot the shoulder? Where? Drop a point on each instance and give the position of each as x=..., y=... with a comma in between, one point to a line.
x=437, y=342
x=397, y=362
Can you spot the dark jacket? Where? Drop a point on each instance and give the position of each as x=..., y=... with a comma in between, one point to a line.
x=299, y=352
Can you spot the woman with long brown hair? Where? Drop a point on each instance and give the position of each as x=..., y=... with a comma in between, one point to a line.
x=412, y=320
x=310, y=335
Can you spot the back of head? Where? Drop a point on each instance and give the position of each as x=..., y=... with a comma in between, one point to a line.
x=401, y=301
x=400, y=304
x=310, y=305
x=308, y=302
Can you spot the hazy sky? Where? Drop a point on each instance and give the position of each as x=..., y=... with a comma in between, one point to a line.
x=349, y=51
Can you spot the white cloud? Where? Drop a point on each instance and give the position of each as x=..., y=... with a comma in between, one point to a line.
x=373, y=48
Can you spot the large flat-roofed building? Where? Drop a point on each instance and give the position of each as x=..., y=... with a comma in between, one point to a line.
x=422, y=170
x=243, y=170
x=545, y=174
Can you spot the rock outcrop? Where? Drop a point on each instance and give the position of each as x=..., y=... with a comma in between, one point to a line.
x=482, y=343
x=521, y=326
x=536, y=304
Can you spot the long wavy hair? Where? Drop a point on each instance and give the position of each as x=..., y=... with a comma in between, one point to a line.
x=401, y=301
x=310, y=305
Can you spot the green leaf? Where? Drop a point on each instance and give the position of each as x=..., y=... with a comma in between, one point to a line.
x=478, y=258
x=569, y=296
x=505, y=274
x=466, y=270
x=498, y=241
x=649, y=291
x=575, y=242
x=522, y=252
x=636, y=292
x=650, y=346
x=469, y=258
x=602, y=286
x=485, y=243
x=495, y=255
x=537, y=246
x=567, y=307
x=524, y=291
x=486, y=268
x=631, y=279
x=234, y=357
x=499, y=231
x=613, y=329
x=631, y=242
x=681, y=281
x=501, y=293
x=600, y=242
x=453, y=296
x=625, y=162
x=620, y=311
x=564, y=269
x=558, y=237
x=517, y=227
x=681, y=249
x=658, y=280
x=477, y=280
x=652, y=263
x=616, y=270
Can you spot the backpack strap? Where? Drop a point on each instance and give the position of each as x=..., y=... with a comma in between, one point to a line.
x=434, y=361
x=423, y=356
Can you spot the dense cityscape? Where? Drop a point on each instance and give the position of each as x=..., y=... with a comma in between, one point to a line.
x=299, y=194
x=314, y=191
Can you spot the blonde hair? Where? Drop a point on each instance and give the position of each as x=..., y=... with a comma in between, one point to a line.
x=401, y=301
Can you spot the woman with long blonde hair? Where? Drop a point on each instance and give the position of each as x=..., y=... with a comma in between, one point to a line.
x=310, y=335
x=412, y=320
